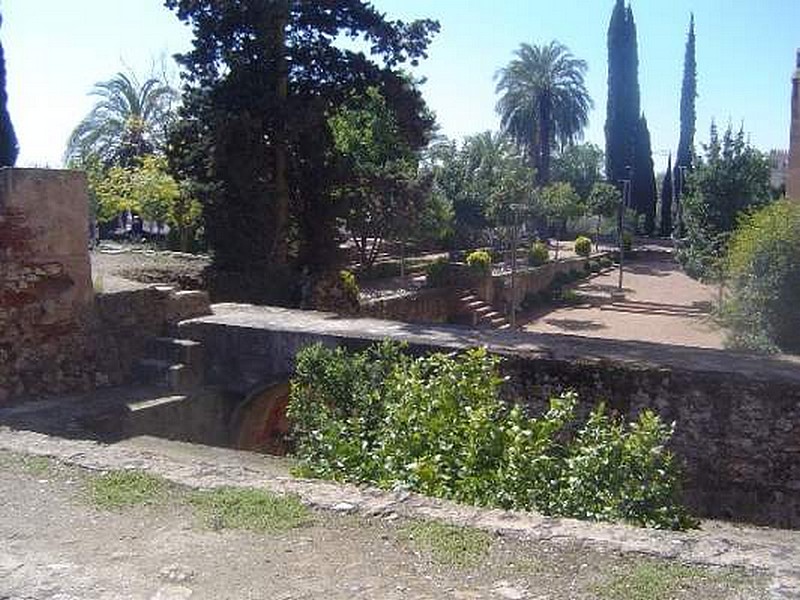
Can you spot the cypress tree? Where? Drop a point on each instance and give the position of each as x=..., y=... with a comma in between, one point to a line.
x=623, y=109
x=643, y=190
x=688, y=111
x=666, y=201
x=615, y=109
x=8, y=139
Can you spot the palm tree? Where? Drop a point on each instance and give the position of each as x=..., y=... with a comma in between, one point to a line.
x=544, y=101
x=128, y=121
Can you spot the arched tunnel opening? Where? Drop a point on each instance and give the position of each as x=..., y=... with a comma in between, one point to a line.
x=259, y=422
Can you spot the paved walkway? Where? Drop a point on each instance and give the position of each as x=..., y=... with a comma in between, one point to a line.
x=662, y=305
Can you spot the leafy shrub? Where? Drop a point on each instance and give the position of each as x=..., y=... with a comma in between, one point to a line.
x=437, y=273
x=349, y=286
x=594, y=266
x=605, y=262
x=627, y=241
x=436, y=425
x=763, y=267
x=538, y=254
x=480, y=261
x=583, y=246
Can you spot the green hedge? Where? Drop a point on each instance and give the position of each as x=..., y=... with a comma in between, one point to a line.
x=436, y=425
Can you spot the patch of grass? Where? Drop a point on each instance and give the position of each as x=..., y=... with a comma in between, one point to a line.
x=659, y=581
x=37, y=466
x=448, y=544
x=120, y=489
x=255, y=510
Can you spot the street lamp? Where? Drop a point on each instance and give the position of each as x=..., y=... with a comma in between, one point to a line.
x=624, y=201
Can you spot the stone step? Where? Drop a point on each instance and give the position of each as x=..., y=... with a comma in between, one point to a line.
x=176, y=350
x=484, y=310
x=176, y=377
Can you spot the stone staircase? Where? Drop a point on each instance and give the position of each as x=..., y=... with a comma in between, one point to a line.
x=480, y=313
x=173, y=364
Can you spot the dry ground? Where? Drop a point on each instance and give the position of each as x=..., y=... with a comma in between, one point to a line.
x=58, y=541
x=662, y=304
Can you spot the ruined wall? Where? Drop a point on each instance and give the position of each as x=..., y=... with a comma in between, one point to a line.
x=56, y=336
x=737, y=417
x=45, y=283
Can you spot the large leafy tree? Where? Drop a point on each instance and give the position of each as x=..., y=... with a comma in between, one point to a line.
x=623, y=106
x=8, y=138
x=603, y=202
x=260, y=83
x=581, y=165
x=380, y=186
x=544, y=103
x=129, y=120
x=730, y=180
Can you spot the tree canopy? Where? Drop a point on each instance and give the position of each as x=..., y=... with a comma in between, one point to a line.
x=9, y=148
x=544, y=103
x=261, y=81
x=128, y=121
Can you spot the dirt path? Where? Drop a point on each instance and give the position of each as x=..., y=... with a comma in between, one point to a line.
x=662, y=304
x=57, y=544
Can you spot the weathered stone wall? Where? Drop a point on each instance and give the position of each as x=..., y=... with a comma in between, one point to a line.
x=56, y=336
x=45, y=282
x=424, y=306
x=737, y=417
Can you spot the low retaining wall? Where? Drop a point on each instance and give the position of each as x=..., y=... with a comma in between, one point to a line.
x=737, y=417
x=423, y=306
x=496, y=290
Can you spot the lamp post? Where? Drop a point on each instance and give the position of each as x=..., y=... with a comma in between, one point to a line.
x=624, y=201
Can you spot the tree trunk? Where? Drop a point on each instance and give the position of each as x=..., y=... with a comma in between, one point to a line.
x=279, y=249
x=545, y=135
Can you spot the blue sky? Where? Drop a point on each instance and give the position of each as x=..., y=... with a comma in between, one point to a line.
x=56, y=50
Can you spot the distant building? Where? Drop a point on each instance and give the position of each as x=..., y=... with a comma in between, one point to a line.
x=793, y=175
x=778, y=168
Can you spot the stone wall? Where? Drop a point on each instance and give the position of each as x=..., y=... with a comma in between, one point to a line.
x=424, y=306
x=45, y=282
x=737, y=417
x=56, y=336
x=497, y=290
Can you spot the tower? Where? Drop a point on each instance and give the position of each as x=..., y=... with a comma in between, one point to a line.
x=793, y=175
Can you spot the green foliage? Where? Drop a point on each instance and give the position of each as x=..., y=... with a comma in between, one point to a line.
x=129, y=120
x=732, y=179
x=604, y=200
x=437, y=274
x=480, y=262
x=448, y=545
x=350, y=286
x=436, y=425
x=580, y=165
x=251, y=509
x=643, y=184
x=543, y=101
x=627, y=241
x=262, y=81
x=685, y=157
x=623, y=108
x=583, y=246
x=606, y=262
x=120, y=489
x=538, y=254
x=9, y=148
x=594, y=266
x=763, y=272
x=667, y=191
x=560, y=203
